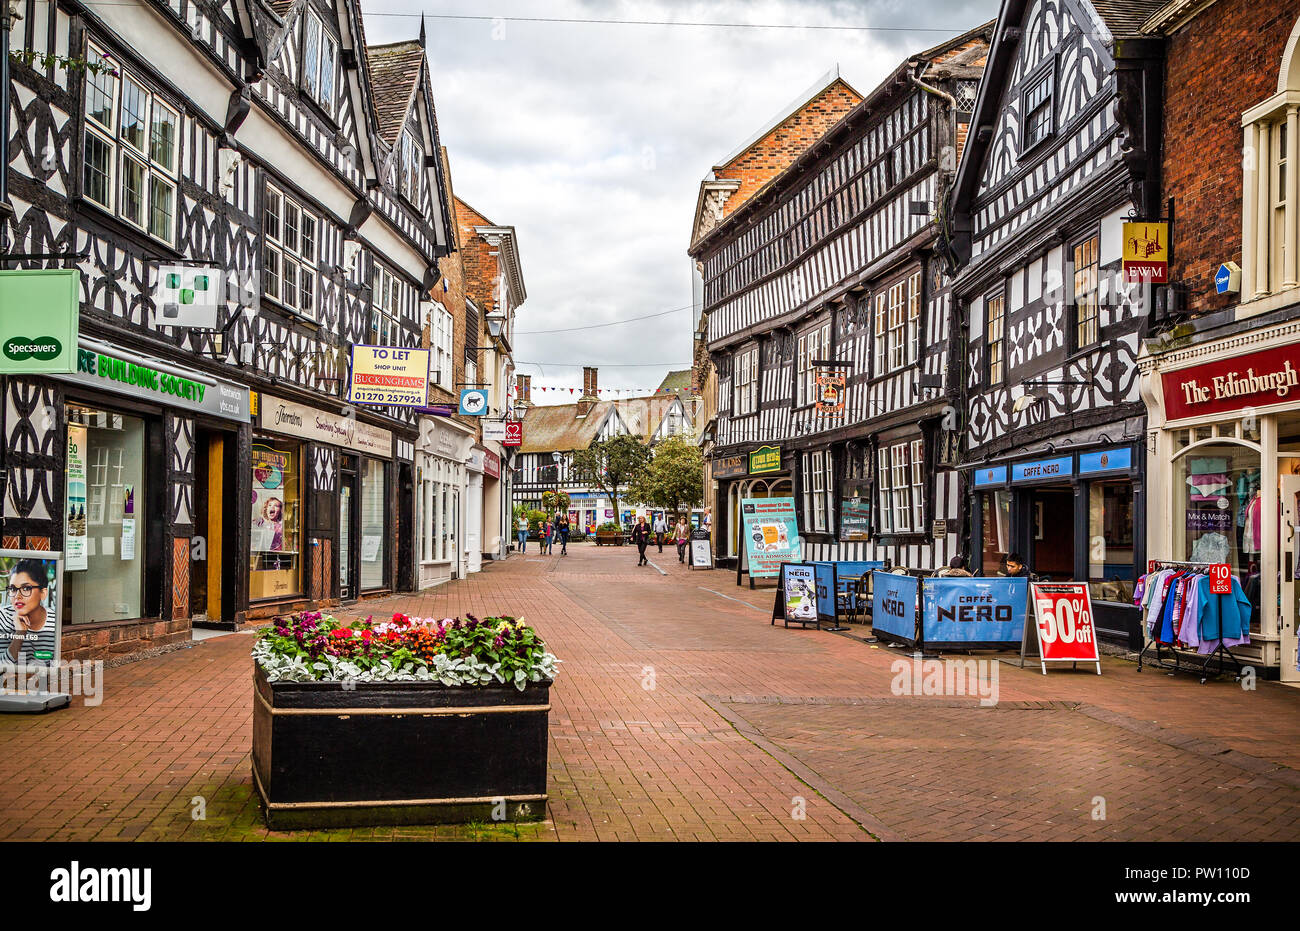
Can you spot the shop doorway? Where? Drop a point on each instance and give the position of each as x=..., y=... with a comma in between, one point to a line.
x=1289, y=559
x=214, y=557
x=1050, y=515
x=349, y=530
x=404, y=580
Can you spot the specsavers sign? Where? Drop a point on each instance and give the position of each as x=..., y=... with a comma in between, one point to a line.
x=107, y=368
x=38, y=320
x=389, y=376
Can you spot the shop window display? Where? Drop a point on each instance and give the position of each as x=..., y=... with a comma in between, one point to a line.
x=275, y=568
x=1217, y=511
x=374, y=507
x=1110, y=541
x=995, y=509
x=104, y=515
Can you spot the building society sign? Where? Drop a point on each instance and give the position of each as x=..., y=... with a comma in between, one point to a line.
x=108, y=369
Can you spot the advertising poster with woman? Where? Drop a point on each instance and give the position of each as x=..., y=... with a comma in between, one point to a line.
x=269, y=468
x=29, y=625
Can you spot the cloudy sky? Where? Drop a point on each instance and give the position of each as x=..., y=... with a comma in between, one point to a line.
x=591, y=140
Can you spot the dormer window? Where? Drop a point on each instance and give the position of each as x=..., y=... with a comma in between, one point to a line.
x=1037, y=110
x=320, y=55
x=412, y=157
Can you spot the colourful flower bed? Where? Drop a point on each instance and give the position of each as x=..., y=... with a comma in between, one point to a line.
x=314, y=647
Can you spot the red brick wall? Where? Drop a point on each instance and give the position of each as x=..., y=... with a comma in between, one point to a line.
x=453, y=298
x=108, y=641
x=776, y=151
x=1219, y=65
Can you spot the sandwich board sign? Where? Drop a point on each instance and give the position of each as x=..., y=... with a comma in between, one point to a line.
x=1063, y=631
x=701, y=550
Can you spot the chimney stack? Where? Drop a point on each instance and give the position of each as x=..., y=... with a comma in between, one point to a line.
x=525, y=385
x=590, y=395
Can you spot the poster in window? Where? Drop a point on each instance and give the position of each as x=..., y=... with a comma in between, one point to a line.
x=270, y=467
x=855, y=511
x=128, y=522
x=77, y=534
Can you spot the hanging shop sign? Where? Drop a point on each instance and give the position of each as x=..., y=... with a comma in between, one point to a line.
x=1256, y=379
x=473, y=402
x=959, y=612
x=1041, y=469
x=494, y=431
x=1227, y=280
x=188, y=296
x=765, y=459
x=389, y=376
x=491, y=464
x=107, y=368
x=514, y=433
x=730, y=467
x=830, y=392
x=39, y=320
x=893, y=606
x=76, y=536
x=1063, y=631
x=771, y=534
x=308, y=423
x=1146, y=252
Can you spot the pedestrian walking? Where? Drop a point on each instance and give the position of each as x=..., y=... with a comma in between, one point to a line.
x=548, y=534
x=661, y=528
x=522, y=529
x=563, y=527
x=641, y=537
x=683, y=534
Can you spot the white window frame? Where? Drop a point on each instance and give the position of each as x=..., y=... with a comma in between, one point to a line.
x=412, y=157
x=914, y=317
x=883, y=489
x=995, y=326
x=814, y=344
x=286, y=245
x=442, y=327
x=385, y=307
x=1270, y=220
x=745, y=382
x=314, y=63
x=900, y=482
x=897, y=325
x=157, y=177
x=818, y=485
x=881, y=331
x=1045, y=80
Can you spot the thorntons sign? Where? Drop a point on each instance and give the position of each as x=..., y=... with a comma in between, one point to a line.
x=1258, y=379
x=324, y=427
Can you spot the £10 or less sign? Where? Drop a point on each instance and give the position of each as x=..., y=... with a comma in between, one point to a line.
x=1063, y=612
x=1220, y=579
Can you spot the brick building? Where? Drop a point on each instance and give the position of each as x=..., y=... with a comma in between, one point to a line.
x=1219, y=361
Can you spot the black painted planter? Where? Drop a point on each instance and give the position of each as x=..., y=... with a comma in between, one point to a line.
x=398, y=752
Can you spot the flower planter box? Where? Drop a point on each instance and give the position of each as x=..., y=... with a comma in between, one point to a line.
x=398, y=752
x=609, y=538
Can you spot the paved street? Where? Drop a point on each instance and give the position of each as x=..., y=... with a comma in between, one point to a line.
x=681, y=713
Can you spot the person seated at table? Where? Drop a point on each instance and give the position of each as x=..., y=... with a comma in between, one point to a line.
x=955, y=569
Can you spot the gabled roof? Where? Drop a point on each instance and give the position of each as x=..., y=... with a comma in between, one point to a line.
x=644, y=416
x=1124, y=18
x=677, y=381
x=557, y=427
x=394, y=77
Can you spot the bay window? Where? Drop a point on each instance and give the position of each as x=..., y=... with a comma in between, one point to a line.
x=1270, y=227
x=131, y=150
x=289, y=253
x=385, y=314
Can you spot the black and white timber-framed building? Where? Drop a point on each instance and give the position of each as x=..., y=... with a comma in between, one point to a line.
x=834, y=260
x=1064, y=148
x=243, y=136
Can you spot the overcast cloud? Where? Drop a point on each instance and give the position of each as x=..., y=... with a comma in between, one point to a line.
x=591, y=140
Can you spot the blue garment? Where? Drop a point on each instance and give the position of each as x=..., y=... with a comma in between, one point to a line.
x=1223, y=617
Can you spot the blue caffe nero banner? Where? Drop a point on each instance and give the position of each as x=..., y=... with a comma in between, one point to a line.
x=958, y=610
x=893, y=605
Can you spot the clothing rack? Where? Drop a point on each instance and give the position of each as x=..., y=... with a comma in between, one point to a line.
x=1174, y=653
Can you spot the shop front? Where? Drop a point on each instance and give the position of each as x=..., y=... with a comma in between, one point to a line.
x=473, y=537
x=324, y=514
x=1224, y=443
x=146, y=528
x=763, y=472
x=1073, y=516
x=441, y=480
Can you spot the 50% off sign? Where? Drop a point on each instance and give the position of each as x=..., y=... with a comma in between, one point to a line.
x=1063, y=630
